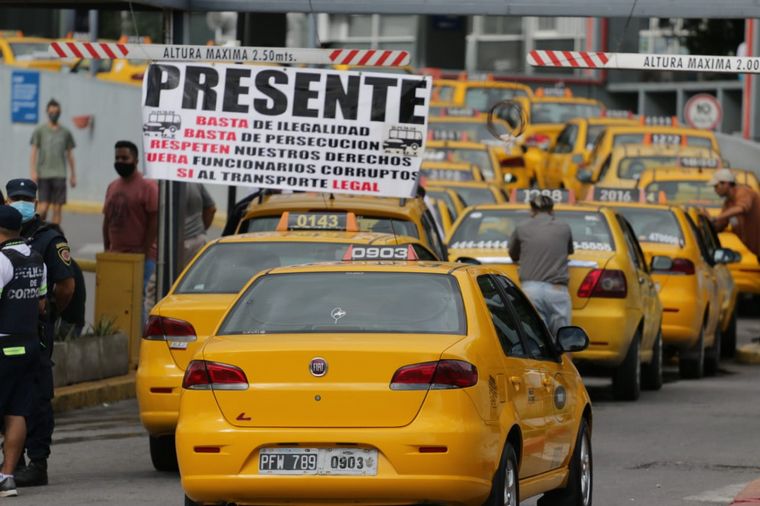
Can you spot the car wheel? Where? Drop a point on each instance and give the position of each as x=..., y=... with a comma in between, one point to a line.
x=626, y=381
x=505, y=489
x=728, y=339
x=580, y=480
x=712, y=355
x=651, y=373
x=163, y=453
x=691, y=363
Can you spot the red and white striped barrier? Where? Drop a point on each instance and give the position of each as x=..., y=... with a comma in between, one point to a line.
x=162, y=52
x=636, y=61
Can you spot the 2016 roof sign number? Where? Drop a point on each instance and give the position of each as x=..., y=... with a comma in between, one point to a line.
x=616, y=195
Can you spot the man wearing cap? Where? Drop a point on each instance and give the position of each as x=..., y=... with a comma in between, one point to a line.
x=741, y=209
x=50, y=243
x=541, y=245
x=22, y=299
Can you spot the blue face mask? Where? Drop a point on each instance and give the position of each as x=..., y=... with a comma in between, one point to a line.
x=25, y=208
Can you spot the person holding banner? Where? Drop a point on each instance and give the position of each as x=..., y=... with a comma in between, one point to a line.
x=541, y=245
x=130, y=213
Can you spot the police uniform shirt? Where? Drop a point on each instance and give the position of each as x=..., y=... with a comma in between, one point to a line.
x=7, y=273
x=53, y=248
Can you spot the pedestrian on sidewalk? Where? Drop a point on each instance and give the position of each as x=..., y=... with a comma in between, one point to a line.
x=130, y=215
x=23, y=289
x=741, y=209
x=52, y=146
x=541, y=245
x=200, y=209
x=50, y=243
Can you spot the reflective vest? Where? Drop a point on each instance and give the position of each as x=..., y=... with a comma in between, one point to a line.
x=19, y=301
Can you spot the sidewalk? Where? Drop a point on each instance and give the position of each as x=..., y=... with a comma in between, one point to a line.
x=93, y=393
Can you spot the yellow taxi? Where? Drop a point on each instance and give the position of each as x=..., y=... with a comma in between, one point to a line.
x=407, y=217
x=181, y=321
x=545, y=116
x=434, y=172
x=446, y=205
x=477, y=95
x=572, y=148
x=689, y=187
x=383, y=382
x=496, y=166
x=442, y=94
x=613, y=295
x=466, y=129
x=474, y=193
x=683, y=269
x=28, y=52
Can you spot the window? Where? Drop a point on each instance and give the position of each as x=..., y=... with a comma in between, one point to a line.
x=432, y=232
x=536, y=335
x=631, y=244
x=423, y=253
x=566, y=139
x=658, y=226
x=706, y=256
x=500, y=25
x=503, y=321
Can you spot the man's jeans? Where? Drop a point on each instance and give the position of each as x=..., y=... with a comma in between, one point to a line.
x=552, y=302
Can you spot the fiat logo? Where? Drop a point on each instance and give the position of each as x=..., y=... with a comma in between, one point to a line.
x=318, y=367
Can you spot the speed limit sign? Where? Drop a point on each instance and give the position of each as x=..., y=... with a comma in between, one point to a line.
x=703, y=111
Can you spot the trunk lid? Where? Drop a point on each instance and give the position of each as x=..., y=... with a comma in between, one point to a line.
x=354, y=391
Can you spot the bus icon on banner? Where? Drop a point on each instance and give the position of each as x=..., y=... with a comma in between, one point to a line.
x=166, y=123
x=407, y=140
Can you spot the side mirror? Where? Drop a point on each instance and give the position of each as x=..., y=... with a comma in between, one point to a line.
x=572, y=339
x=726, y=256
x=584, y=176
x=577, y=158
x=468, y=260
x=509, y=178
x=661, y=263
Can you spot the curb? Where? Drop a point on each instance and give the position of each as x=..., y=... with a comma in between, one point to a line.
x=750, y=494
x=92, y=393
x=748, y=354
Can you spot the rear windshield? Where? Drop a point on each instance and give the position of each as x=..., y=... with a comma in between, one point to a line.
x=227, y=267
x=475, y=196
x=30, y=50
x=658, y=226
x=686, y=192
x=483, y=99
x=349, y=302
x=442, y=93
x=377, y=224
x=478, y=157
x=561, y=112
x=448, y=174
x=632, y=166
x=493, y=228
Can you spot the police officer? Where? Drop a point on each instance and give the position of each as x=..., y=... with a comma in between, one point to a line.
x=50, y=243
x=22, y=297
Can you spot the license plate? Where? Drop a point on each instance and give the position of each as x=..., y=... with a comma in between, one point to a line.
x=326, y=461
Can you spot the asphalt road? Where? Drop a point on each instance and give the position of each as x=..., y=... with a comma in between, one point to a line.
x=693, y=443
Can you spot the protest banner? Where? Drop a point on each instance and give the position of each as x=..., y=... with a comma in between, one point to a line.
x=286, y=128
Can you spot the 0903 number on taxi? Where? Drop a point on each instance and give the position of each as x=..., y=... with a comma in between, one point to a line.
x=322, y=461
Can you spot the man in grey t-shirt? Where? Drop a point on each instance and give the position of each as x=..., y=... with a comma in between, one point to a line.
x=199, y=214
x=541, y=246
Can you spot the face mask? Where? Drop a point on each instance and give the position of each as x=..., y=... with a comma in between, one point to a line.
x=25, y=208
x=124, y=169
x=54, y=116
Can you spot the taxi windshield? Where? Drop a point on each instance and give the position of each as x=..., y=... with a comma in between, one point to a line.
x=482, y=99
x=446, y=198
x=493, y=228
x=349, y=302
x=30, y=50
x=227, y=267
x=448, y=174
x=658, y=226
x=475, y=196
x=686, y=192
x=458, y=131
x=561, y=112
x=593, y=134
x=379, y=224
x=631, y=167
x=478, y=157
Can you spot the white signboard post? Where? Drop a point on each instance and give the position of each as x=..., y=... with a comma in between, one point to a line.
x=703, y=111
x=286, y=128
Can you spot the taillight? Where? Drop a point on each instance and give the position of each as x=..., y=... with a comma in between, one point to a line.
x=204, y=375
x=440, y=375
x=169, y=329
x=682, y=266
x=607, y=283
x=539, y=141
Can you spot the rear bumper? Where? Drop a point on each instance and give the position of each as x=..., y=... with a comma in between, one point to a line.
x=159, y=383
x=460, y=476
x=610, y=327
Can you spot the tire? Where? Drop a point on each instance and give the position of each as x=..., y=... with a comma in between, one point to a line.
x=651, y=374
x=728, y=339
x=626, y=380
x=580, y=480
x=190, y=502
x=163, y=453
x=712, y=355
x=505, y=488
x=691, y=363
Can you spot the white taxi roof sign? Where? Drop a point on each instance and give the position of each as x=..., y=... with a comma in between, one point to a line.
x=696, y=162
x=624, y=195
x=317, y=220
x=358, y=252
x=280, y=55
x=641, y=61
x=559, y=196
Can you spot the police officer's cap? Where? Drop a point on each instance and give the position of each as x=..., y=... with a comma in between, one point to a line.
x=21, y=188
x=542, y=203
x=10, y=218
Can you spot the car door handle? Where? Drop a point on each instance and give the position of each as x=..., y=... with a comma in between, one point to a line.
x=516, y=382
x=547, y=381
